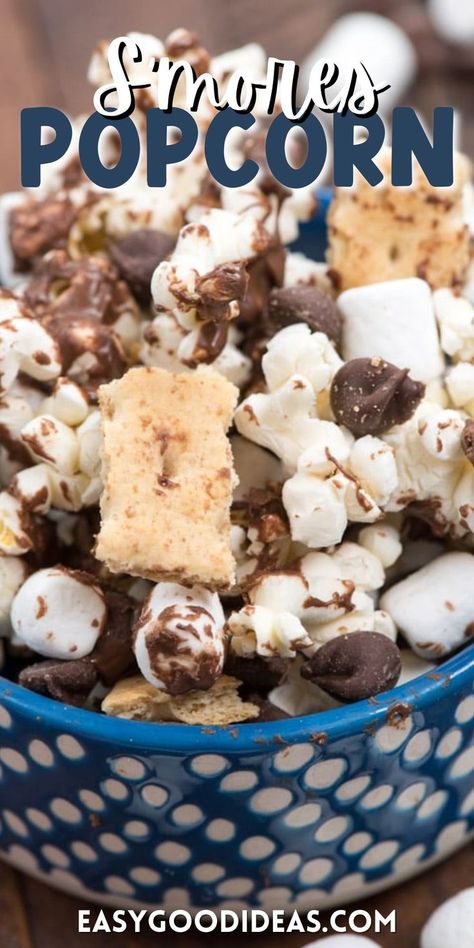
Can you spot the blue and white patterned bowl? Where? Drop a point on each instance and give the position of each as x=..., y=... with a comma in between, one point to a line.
x=304, y=812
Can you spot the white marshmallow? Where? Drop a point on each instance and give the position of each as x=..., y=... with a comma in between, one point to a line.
x=344, y=941
x=460, y=385
x=394, y=320
x=33, y=488
x=374, y=40
x=50, y=440
x=58, y=614
x=13, y=572
x=88, y=438
x=67, y=403
x=433, y=607
x=256, y=630
x=452, y=924
x=25, y=346
x=190, y=623
x=383, y=540
x=455, y=23
x=455, y=316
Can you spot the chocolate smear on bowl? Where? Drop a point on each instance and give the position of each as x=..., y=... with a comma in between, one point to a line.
x=354, y=666
x=369, y=396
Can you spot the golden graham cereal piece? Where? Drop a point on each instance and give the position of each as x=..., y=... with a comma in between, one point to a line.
x=388, y=233
x=168, y=476
x=135, y=698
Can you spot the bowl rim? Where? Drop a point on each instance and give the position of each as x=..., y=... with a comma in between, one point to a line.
x=173, y=739
x=178, y=739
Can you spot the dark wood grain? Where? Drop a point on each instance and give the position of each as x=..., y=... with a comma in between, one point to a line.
x=45, y=50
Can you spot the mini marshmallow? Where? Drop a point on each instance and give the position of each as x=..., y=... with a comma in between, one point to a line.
x=295, y=350
x=59, y=613
x=379, y=43
x=394, y=320
x=344, y=941
x=383, y=540
x=67, y=403
x=256, y=630
x=33, y=488
x=460, y=385
x=25, y=346
x=88, y=438
x=455, y=316
x=452, y=924
x=433, y=607
x=455, y=23
x=50, y=440
x=13, y=572
x=179, y=638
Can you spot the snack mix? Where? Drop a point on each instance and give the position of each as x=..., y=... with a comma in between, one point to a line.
x=236, y=484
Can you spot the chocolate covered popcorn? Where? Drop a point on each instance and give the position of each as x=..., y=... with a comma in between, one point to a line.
x=236, y=484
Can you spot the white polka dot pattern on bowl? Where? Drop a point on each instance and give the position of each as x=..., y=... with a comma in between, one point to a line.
x=314, y=821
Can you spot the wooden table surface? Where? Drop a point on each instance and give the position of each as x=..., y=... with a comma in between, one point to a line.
x=45, y=51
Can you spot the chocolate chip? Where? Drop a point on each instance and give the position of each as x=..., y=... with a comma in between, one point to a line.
x=354, y=666
x=305, y=304
x=467, y=440
x=68, y=682
x=257, y=674
x=137, y=255
x=113, y=654
x=369, y=396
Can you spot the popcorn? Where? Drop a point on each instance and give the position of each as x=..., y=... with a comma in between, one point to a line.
x=359, y=565
x=25, y=346
x=383, y=540
x=440, y=434
x=13, y=572
x=67, y=403
x=372, y=461
x=179, y=641
x=396, y=321
x=201, y=280
x=49, y=439
x=316, y=508
x=59, y=613
x=295, y=350
x=433, y=607
x=256, y=630
x=455, y=316
x=451, y=924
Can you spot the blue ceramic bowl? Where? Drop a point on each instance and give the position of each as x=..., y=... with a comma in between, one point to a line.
x=304, y=812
